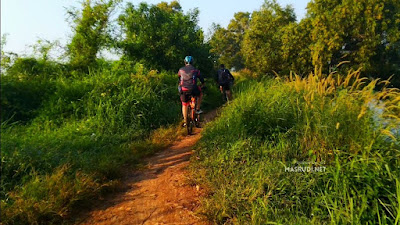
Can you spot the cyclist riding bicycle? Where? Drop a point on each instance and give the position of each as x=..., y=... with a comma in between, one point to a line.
x=225, y=81
x=188, y=87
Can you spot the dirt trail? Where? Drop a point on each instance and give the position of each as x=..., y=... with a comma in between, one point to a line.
x=157, y=194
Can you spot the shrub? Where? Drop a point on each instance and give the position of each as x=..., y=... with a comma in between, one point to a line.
x=77, y=132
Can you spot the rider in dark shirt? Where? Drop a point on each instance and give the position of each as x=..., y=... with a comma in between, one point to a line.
x=225, y=81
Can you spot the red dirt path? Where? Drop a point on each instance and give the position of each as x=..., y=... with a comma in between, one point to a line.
x=157, y=194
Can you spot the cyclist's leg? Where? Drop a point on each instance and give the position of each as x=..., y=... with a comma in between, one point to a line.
x=223, y=91
x=228, y=93
x=185, y=98
x=184, y=111
x=197, y=93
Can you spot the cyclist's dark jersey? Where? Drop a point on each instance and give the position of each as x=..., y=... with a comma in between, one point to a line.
x=188, y=76
x=227, y=71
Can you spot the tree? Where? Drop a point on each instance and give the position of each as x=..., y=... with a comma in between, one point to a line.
x=296, y=54
x=6, y=57
x=227, y=43
x=262, y=42
x=89, y=32
x=43, y=49
x=160, y=36
x=364, y=32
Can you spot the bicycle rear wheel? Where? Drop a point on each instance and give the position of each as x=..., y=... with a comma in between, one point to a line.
x=189, y=121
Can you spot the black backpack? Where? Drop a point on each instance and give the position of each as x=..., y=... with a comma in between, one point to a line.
x=223, y=77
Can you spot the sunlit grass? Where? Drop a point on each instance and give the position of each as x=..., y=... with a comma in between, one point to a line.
x=77, y=136
x=342, y=123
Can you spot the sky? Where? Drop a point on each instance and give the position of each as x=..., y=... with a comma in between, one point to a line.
x=26, y=21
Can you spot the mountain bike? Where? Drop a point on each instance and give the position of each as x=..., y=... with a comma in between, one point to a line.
x=192, y=118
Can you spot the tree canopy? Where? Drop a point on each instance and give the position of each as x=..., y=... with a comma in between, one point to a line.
x=90, y=34
x=227, y=43
x=160, y=36
x=364, y=33
x=263, y=41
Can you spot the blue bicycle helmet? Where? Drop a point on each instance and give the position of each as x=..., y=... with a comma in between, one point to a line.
x=189, y=59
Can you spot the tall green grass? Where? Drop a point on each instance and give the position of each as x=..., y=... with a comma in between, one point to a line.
x=66, y=138
x=329, y=123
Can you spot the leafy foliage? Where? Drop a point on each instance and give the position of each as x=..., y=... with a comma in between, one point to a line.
x=89, y=32
x=363, y=33
x=160, y=36
x=262, y=42
x=227, y=43
x=7, y=58
x=366, y=33
x=296, y=54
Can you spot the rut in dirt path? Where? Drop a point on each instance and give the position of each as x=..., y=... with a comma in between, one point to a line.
x=158, y=194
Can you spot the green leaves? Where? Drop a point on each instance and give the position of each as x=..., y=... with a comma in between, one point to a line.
x=159, y=36
x=363, y=32
x=268, y=41
x=227, y=43
x=262, y=43
x=90, y=34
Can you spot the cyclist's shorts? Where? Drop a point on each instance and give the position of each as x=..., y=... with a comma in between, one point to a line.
x=186, y=95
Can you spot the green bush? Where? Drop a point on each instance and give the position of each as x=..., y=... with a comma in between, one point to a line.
x=25, y=85
x=20, y=100
x=77, y=132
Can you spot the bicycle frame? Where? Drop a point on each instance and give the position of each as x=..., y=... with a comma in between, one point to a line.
x=193, y=105
x=192, y=117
